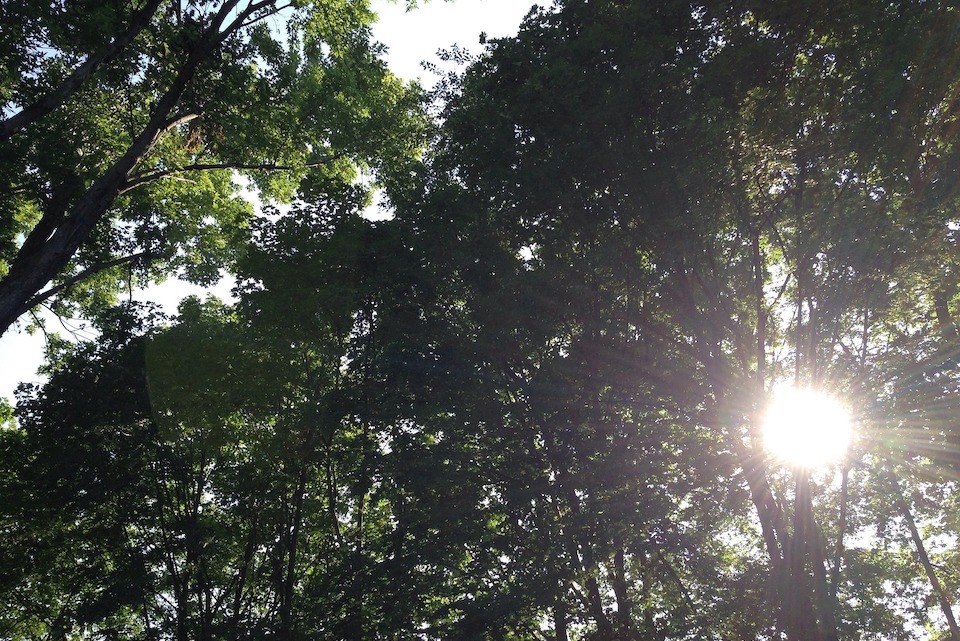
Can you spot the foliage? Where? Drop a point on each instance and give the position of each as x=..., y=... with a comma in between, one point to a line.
x=120, y=161
x=529, y=406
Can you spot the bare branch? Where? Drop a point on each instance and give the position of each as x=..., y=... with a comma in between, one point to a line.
x=171, y=124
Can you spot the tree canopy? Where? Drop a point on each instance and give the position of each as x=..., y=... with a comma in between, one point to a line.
x=529, y=406
x=126, y=124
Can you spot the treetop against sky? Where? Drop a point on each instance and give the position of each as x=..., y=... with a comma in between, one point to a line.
x=411, y=36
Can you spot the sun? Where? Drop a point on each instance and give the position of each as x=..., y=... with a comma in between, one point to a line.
x=806, y=428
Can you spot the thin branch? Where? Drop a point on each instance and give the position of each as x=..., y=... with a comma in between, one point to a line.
x=268, y=14
x=141, y=179
x=776, y=300
x=89, y=271
x=73, y=331
x=41, y=325
x=687, y=597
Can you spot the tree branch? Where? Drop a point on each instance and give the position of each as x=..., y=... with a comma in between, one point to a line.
x=942, y=595
x=581, y=597
x=89, y=271
x=141, y=179
x=272, y=12
x=171, y=124
x=75, y=332
x=41, y=325
x=838, y=551
x=32, y=270
x=49, y=102
x=241, y=19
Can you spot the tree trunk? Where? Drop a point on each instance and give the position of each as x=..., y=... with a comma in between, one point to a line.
x=942, y=597
x=289, y=579
x=838, y=552
x=797, y=608
x=624, y=606
x=826, y=606
x=942, y=311
x=560, y=616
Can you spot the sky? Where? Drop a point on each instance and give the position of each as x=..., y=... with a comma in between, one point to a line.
x=411, y=36
x=417, y=35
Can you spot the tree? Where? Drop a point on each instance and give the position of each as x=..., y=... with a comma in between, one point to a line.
x=529, y=407
x=732, y=189
x=255, y=492
x=125, y=122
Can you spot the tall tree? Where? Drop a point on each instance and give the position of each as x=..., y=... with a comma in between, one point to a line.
x=733, y=188
x=124, y=122
x=530, y=406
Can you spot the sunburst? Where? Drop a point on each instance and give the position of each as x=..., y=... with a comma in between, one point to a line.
x=806, y=428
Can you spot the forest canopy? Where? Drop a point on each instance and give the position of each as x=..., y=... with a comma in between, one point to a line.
x=532, y=404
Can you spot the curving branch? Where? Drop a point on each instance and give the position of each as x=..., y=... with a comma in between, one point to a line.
x=86, y=273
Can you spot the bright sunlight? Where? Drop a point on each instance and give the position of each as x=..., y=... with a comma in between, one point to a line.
x=806, y=428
